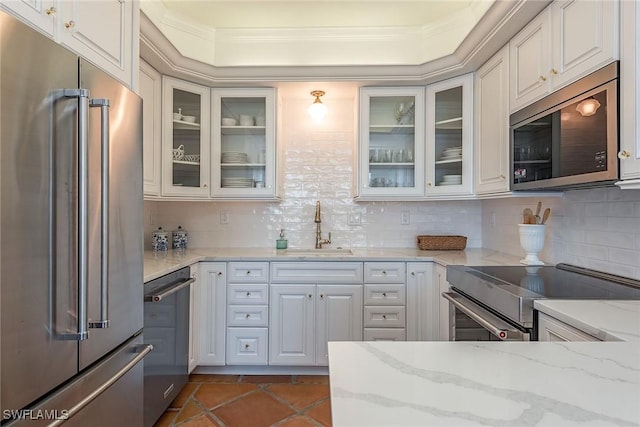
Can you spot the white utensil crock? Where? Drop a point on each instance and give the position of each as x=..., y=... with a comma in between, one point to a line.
x=532, y=241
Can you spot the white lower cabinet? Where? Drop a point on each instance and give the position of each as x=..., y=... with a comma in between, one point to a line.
x=552, y=329
x=247, y=313
x=385, y=299
x=422, y=297
x=444, y=316
x=194, y=315
x=305, y=317
x=212, y=316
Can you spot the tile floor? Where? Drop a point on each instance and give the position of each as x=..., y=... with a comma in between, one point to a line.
x=251, y=401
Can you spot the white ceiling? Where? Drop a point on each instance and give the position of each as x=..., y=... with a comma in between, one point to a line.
x=316, y=13
x=293, y=33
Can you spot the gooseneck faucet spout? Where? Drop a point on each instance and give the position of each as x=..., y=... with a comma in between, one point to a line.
x=319, y=240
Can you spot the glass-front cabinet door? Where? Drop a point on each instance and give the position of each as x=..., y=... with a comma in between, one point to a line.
x=243, y=143
x=391, y=142
x=185, y=139
x=449, y=154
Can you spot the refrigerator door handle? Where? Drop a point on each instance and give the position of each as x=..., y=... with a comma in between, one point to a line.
x=103, y=104
x=83, y=209
x=103, y=387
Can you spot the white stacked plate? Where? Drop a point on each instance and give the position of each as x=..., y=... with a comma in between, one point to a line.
x=234, y=157
x=237, y=182
x=452, y=153
x=451, y=180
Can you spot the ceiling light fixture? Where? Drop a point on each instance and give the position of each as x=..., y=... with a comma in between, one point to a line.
x=317, y=110
x=588, y=107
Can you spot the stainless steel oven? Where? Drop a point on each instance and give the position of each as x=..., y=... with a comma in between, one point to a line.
x=495, y=303
x=166, y=326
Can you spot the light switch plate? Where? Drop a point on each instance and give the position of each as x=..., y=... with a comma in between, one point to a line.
x=354, y=218
x=405, y=218
x=224, y=217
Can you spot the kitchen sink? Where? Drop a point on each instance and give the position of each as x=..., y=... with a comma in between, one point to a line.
x=318, y=252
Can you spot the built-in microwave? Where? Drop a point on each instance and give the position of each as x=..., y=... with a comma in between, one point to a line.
x=569, y=139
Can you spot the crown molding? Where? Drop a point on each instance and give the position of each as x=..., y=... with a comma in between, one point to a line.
x=501, y=22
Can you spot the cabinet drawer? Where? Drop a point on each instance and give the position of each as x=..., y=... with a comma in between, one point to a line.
x=316, y=272
x=385, y=272
x=552, y=329
x=247, y=315
x=384, y=317
x=247, y=346
x=385, y=334
x=248, y=294
x=247, y=272
x=384, y=294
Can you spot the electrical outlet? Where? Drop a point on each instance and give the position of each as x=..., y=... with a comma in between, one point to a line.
x=224, y=217
x=405, y=219
x=492, y=220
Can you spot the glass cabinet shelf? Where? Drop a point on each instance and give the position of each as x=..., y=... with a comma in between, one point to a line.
x=242, y=130
x=180, y=125
x=450, y=124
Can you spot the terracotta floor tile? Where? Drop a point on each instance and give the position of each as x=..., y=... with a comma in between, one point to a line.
x=184, y=395
x=201, y=421
x=297, y=421
x=255, y=410
x=189, y=410
x=262, y=379
x=212, y=395
x=166, y=419
x=321, y=413
x=213, y=378
x=312, y=379
x=300, y=396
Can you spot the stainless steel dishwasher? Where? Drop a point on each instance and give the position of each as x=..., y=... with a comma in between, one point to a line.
x=166, y=326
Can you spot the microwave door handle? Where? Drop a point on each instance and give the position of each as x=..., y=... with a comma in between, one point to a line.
x=487, y=320
x=103, y=322
x=172, y=290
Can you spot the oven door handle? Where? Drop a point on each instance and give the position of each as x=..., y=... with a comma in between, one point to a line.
x=172, y=290
x=490, y=322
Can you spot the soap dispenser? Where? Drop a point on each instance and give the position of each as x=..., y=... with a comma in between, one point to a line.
x=281, y=243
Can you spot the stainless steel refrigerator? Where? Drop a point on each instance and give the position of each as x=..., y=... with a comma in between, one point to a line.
x=71, y=238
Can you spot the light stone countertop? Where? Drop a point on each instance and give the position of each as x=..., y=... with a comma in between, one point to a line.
x=485, y=383
x=157, y=264
x=605, y=320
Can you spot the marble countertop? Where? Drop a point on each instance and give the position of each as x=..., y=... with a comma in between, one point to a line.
x=484, y=383
x=605, y=320
x=157, y=264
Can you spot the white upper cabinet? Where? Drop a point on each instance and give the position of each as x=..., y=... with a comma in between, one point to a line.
x=103, y=31
x=566, y=41
x=391, y=149
x=150, y=90
x=630, y=96
x=185, y=139
x=449, y=129
x=491, y=113
x=243, y=143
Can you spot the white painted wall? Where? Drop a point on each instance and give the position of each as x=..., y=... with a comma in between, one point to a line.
x=597, y=229
x=317, y=162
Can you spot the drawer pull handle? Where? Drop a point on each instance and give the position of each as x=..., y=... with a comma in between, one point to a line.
x=247, y=316
x=248, y=294
x=384, y=316
x=246, y=346
x=384, y=294
x=248, y=272
x=384, y=273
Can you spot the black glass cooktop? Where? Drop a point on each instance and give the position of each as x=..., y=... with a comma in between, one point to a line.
x=559, y=283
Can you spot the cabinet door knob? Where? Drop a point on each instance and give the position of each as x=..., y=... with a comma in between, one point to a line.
x=543, y=79
x=624, y=154
x=429, y=184
x=384, y=273
x=310, y=296
x=502, y=177
x=413, y=273
x=51, y=11
x=220, y=273
x=69, y=24
x=204, y=185
x=384, y=316
x=554, y=71
x=321, y=296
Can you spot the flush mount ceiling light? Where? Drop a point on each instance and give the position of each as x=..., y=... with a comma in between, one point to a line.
x=588, y=107
x=317, y=110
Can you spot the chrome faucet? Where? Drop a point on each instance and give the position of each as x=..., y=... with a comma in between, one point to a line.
x=319, y=240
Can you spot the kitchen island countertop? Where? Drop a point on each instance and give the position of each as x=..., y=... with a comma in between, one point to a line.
x=157, y=264
x=484, y=383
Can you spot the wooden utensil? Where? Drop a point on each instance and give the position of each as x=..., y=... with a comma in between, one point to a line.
x=527, y=216
x=538, y=210
x=545, y=215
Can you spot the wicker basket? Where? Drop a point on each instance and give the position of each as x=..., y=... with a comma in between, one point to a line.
x=442, y=243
